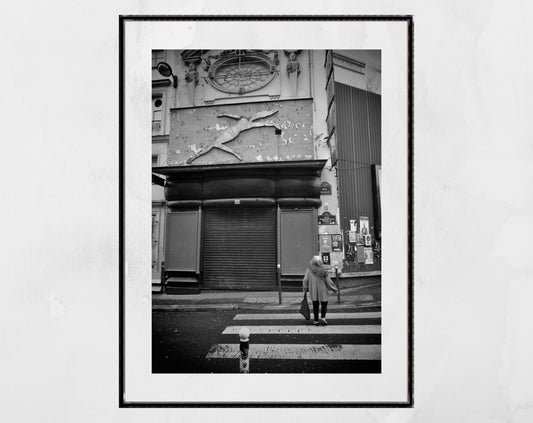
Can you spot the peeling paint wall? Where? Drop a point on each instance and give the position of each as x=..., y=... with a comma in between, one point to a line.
x=195, y=129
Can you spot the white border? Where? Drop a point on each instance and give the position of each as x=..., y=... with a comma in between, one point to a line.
x=140, y=385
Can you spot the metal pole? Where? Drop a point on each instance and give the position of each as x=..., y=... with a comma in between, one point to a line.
x=244, y=356
x=163, y=278
x=279, y=280
x=337, y=282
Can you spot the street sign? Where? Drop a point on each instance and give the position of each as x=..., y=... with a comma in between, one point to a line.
x=325, y=188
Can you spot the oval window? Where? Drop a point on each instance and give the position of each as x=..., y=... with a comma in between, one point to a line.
x=241, y=74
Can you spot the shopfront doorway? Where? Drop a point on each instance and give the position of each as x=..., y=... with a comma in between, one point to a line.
x=239, y=248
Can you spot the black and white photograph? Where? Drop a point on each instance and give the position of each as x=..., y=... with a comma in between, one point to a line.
x=257, y=169
x=251, y=150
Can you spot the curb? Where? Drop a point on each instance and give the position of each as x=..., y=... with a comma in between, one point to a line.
x=231, y=307
x=257, y=301
x=358, y=288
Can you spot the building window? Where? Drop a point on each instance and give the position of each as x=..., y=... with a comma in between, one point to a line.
x=239, y=71
x=155, y=241
x=157, y=56
x=157, y=114
x=155, y=162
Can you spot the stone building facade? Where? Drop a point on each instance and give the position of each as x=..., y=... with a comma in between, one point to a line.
x=261, y=159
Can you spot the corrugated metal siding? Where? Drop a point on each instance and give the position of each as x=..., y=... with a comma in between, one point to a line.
x=358, y=147
x=239, y=250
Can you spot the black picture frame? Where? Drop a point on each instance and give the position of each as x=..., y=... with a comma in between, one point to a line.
x=123, y=20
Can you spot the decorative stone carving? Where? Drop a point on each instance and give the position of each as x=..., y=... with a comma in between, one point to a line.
x=293, y=65
x=192, y=74
x=191, y=77
x=293, y=69
x=229, y=134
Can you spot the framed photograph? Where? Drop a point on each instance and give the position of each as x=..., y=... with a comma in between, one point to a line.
x=247, y=129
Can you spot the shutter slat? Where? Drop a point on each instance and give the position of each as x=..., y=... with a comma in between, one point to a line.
x=239, y=250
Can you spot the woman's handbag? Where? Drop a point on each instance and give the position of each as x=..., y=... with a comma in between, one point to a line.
x=304, y=308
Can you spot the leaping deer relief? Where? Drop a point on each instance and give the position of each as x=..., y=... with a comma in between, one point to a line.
x=229, y=134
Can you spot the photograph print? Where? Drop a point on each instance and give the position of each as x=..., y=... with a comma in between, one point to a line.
x=266, y=171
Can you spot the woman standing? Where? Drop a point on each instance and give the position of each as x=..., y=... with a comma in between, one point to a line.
x=316, y=282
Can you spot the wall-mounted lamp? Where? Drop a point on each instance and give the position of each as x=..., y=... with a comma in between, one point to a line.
x=165, y=70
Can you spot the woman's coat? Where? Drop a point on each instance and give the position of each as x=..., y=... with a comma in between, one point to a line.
x=317, y=282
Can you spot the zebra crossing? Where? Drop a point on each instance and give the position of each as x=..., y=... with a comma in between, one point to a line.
x=300, y=352
x=296, y=329
x=349, y=336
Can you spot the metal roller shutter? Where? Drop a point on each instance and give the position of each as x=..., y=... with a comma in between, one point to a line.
x=239, y=250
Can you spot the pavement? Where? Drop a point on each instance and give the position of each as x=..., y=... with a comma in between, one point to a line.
x=368, y=295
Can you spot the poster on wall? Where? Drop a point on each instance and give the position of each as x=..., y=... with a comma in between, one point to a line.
x=336, y=243
x=325, y=259
x=352, y=237
x=353, y=225
x=325, y=242
x=360, y=256
x=369, y=256
x=363, y=222
x=368, y=240
x=350, y=253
